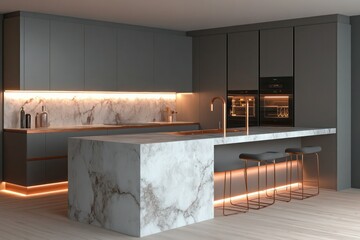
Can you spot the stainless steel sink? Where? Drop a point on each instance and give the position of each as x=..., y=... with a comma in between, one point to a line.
x=205, y=131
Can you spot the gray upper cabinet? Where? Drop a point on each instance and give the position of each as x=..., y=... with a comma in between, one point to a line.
x=211, y=64
x=243, y=60
x=276, y=52
x=135, y=56
x=36, y=53
x=100, y=58
x=67, y=56
x=44, y=52
x=172, y=63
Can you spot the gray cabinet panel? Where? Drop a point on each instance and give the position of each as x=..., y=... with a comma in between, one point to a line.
x=35, y=145
x=315, y=75
x=36, y=54
x=276, y=52
x=15, y=160
x=243, y=61
x=172, y=63
x=212, y=78
x=35, y=171
x=100, y=58
x=12, y=76
x=135, y=56
x=67, y=56
x=56, y=170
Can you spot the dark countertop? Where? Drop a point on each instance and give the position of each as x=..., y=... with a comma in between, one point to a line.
x=97, y=127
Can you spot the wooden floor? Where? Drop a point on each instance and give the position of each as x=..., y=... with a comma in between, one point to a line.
x=331, y=215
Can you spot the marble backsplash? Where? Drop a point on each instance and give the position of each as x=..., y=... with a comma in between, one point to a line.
x=69, y=109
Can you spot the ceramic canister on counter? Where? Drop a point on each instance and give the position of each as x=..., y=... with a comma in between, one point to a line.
x=22, y=118
x=28, y=120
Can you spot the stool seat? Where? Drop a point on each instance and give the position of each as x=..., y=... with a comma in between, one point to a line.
x=266, y=156
x=304, y=150
x=228, y=165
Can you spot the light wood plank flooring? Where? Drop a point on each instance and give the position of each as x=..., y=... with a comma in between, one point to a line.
x=331, y=215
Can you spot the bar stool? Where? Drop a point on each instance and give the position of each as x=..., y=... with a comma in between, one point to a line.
x=225, y=167
x=262, y=158
x=301, y=193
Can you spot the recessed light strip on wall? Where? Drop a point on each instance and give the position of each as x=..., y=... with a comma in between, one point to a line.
x=37, y=190
x=88, y=95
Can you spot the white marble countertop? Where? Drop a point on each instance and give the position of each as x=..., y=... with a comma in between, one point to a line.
x=255, y=134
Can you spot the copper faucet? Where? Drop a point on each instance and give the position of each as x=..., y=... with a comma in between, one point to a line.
x=224, y=111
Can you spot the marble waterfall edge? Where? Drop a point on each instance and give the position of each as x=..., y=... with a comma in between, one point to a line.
x=104, y=180
x=140, y=189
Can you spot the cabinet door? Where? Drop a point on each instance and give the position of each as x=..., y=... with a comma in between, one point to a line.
x=56, y=170
x=276, y=52
x=243, y=61
x=172, y=63
x=35, y=146
x=36, y=53
x=212, y=78
x=35, y=172
x=66, y=56
x=100, y=58
x=135, y=54
x=315, y=75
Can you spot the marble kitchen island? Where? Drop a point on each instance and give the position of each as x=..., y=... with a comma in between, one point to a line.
x=142, y=184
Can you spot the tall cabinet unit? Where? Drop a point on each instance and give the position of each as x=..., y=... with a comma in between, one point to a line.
x=1, y=101
x=355, y=103
x=211, y=67
x=243, y=60
x=323, y=99
x=317, y=53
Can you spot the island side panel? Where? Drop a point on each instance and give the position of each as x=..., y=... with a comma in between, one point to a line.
x=104, y=180
x=177, y=187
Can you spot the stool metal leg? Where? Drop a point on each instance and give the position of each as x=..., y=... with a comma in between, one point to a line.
x=258, y=203
x=302, y=194
x=234, y=208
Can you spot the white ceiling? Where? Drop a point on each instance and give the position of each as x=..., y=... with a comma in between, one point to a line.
x=185, y=14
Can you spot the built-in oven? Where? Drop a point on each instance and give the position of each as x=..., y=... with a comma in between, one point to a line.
x=236, y=104
x=277, y=101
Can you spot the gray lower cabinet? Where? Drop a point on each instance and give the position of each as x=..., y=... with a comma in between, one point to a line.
x=100, y=58
x=243, y=60
x=67, y=56
x=36, y=53
x=172, y=63
x=211, y=67
x=276, y=52
x=39, y=158
x=135, y=60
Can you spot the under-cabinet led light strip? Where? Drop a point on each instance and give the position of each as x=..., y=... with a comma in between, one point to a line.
x=88, y=95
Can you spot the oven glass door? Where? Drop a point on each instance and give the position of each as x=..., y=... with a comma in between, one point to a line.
x=276, y=109
x=238, y=106
x=237, y=110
